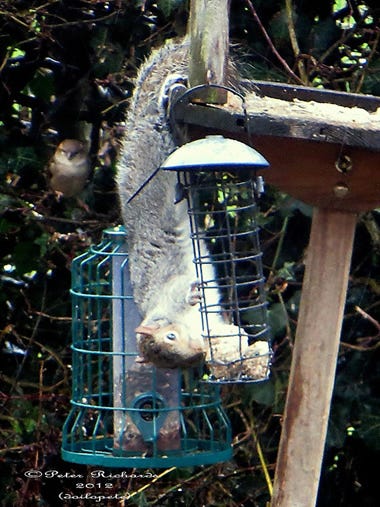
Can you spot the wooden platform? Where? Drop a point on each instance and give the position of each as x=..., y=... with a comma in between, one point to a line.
x=323, y=146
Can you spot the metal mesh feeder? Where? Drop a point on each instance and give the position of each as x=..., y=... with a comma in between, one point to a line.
x=217, y=175
x=125, y=413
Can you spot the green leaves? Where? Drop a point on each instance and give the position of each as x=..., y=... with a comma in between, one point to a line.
x=169, y=6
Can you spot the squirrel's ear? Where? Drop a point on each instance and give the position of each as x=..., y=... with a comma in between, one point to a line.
x=146, y=329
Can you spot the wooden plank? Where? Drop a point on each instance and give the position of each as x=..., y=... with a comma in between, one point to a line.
x=289, y=92
x=314, y=359
x=306, y=170
x=274, y=126
x=208, y=28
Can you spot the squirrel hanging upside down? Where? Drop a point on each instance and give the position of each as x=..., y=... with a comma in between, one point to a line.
x=160, y=250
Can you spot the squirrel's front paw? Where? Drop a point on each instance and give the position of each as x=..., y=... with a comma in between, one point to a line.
x=194, y=295
x=170, y=83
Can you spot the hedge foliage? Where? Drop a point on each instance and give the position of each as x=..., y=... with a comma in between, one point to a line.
x=66, y=71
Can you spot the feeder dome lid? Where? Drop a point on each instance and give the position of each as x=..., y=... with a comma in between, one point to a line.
x=214, y=150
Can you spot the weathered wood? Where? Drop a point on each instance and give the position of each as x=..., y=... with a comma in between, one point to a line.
x=314, y=359
x=266, y=123
x=289, y=92
x=208, y=27
x=306, y=170
x=303, y=154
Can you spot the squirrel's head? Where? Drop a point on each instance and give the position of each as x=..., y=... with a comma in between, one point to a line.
x=171, y=341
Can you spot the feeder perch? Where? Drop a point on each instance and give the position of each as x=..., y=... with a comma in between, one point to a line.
x=217, y=175
x=125, y=413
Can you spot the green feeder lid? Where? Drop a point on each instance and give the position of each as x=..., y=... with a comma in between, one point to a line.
x=212, y=151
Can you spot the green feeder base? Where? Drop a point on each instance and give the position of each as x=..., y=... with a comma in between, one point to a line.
x=100, y=454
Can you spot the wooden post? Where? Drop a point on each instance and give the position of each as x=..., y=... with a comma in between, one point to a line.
x=208, y=29
x=314, y=359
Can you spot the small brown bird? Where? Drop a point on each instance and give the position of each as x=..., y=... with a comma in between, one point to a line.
x=69, y=168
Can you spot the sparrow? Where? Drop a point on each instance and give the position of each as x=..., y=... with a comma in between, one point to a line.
x=69, y=168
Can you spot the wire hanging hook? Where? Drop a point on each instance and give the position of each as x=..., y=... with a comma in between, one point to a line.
x=190, y=94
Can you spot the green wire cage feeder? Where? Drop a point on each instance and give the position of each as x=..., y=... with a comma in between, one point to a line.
x=125, y=413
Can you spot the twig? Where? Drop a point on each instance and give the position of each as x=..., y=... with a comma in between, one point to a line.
x=52, y=317
x=369, y=58
x=180, y=484
x=279, y=246
x=7, y=14
x=294, y=42
x=251, y=429
x=289, y=336
x=34, y=385
x=368, y=317
x=81, y=21
x=271, y=45
x=143, y=488
x=363, y=348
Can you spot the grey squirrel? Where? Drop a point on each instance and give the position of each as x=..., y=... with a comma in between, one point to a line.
x=160, y=250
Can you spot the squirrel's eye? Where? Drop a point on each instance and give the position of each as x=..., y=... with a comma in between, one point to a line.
x=171, y=336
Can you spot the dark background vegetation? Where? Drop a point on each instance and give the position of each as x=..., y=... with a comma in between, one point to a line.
x=66, y=70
